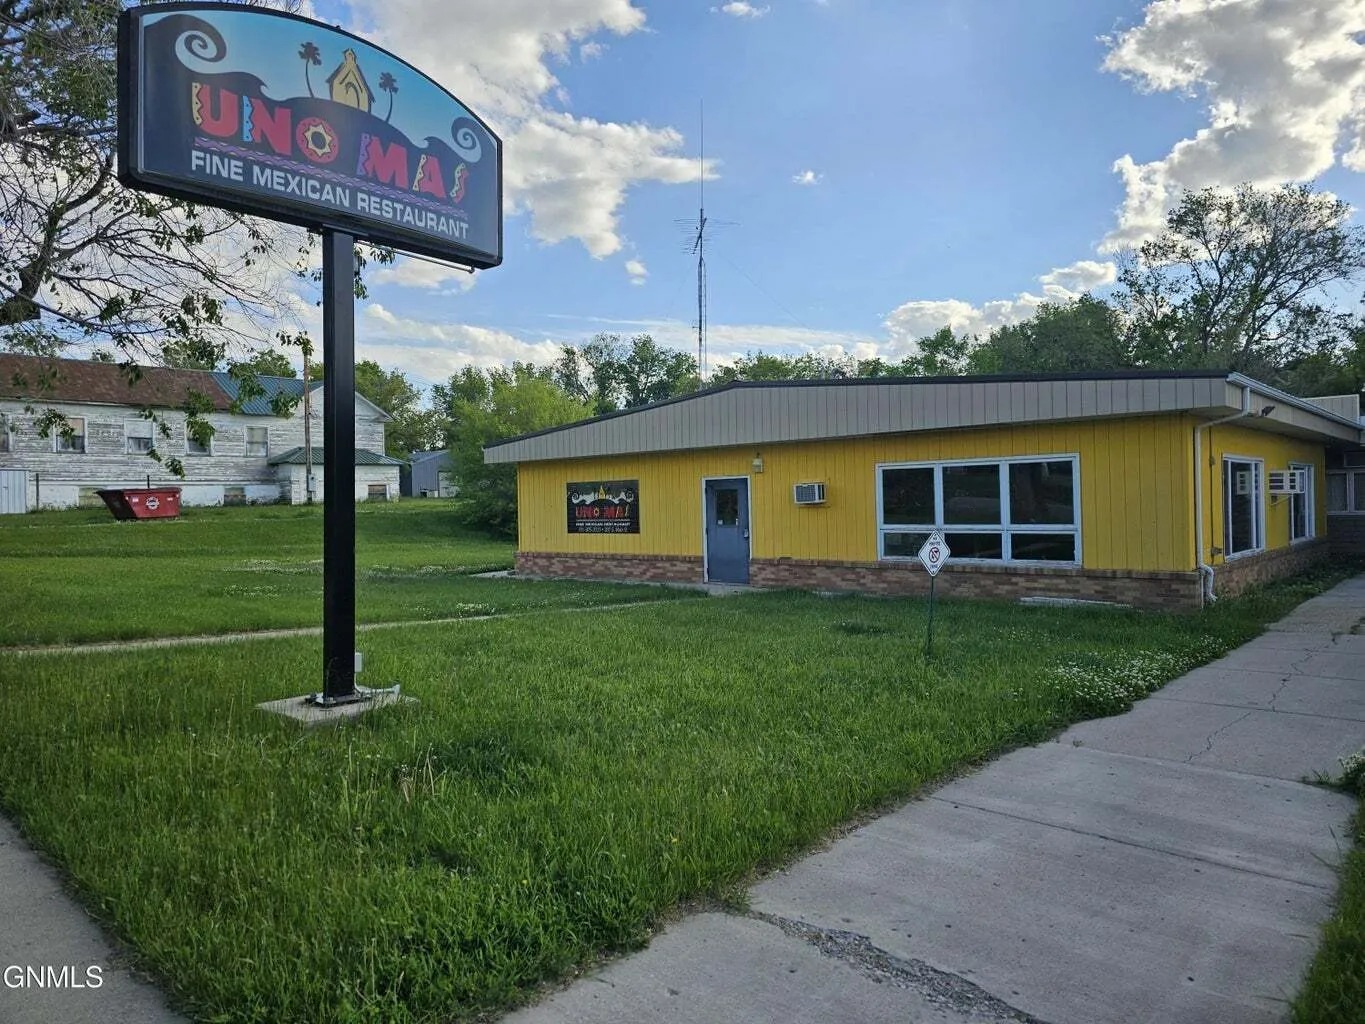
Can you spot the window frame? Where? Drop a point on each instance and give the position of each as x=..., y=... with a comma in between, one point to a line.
x=246, y=442
x=6, y=434
x=59, y=442
x=1309, y=498
x=128, y=437
x=1006, y=528
x=1258, y=507
x=205, y=454
x=1355, y=501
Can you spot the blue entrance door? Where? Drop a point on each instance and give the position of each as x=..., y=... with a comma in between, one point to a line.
x=727, y=531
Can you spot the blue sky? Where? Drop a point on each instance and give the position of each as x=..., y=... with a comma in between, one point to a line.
x=883, y=166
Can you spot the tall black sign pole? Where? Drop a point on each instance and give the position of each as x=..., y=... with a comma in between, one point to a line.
x=338, y=469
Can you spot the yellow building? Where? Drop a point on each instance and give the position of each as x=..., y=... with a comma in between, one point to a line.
x=1092, y=487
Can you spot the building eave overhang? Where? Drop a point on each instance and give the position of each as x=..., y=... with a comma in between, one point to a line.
x=749, y=413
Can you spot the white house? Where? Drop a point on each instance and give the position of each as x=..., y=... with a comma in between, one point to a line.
x=254, y=455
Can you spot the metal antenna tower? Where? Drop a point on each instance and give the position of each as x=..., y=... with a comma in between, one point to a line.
x=695, y=236
x=699, y=250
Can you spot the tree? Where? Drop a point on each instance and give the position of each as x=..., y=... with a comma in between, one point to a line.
x=485, y=405
x=651, y=374
x=1237, y=280
x=413, y=429
x=608, y=374
x=807, y=366
x=270, y=362
x=80, y=255
x=941, y=354
x=1071, y=337
x=1336, y=366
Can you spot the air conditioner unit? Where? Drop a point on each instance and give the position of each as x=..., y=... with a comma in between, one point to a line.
x=1287, y=481
x=809, y=494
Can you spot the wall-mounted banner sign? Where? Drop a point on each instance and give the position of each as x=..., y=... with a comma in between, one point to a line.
x=609, y=506
x=275, y=115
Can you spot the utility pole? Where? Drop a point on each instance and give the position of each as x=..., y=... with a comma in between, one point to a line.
x=307, y=431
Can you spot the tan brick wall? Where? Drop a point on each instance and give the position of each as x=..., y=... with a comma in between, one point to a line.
x=1151, y=590
x=1158, y=590
x=638, y=568
x=1235, y=576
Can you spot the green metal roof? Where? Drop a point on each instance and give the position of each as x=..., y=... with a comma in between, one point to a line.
x=260, y=406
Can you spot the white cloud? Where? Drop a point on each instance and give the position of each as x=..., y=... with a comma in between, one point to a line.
x=910, y=321
x=591, y=51
x=1284, y=82
x=410, y=272
x=434, y=351
x=807, y=177
x=570, y=174
x=741, y=9
x=1080, y=277
x=637, y=271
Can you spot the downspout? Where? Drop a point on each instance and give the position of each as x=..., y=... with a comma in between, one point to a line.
x=1204, y=569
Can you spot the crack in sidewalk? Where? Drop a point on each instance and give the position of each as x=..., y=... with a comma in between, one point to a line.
x=1294, y=670
x=941, y=988
x=1208, y=740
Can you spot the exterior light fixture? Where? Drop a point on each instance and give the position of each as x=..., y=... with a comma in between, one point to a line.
x=758, y=462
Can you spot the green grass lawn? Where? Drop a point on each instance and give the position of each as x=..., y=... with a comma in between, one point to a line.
x=562, y=784
x=82, y=576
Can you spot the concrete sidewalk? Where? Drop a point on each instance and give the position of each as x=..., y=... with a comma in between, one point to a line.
x=1165, y=865
x=57, y=965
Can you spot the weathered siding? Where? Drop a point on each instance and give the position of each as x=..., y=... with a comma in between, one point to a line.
x=55, y=479
x=294, y=484
x=1135, y=487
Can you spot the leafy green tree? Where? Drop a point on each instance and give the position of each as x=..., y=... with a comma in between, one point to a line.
x=270, y=362
x=807, y=366
x=485, y=405
x=590, y=373
x=80, y=255
x=650, y=373
x=414, y=429
x=1237, y=280
x=1086, y=334
x=1335, y=367
x=84, y=259
x=608, y=373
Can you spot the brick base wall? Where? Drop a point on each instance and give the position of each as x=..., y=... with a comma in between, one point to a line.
x=1152, y=590
x=1158, y=590
x=1235, y=576
x=1346, y=533
x=637, y=568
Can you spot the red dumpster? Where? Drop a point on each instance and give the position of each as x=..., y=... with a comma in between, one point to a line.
x=143, y=502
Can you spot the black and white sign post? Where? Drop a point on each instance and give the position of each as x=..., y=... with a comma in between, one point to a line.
x=933, y=554
x=216, y=105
